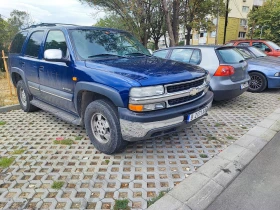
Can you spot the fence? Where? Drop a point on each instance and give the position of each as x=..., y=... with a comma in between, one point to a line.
x=12, y=90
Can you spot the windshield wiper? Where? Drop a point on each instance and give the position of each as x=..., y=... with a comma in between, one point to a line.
x=137, y=54
x=105, y=55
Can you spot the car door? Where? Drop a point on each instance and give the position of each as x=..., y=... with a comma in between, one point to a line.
x=30, y=61
x=56, y=78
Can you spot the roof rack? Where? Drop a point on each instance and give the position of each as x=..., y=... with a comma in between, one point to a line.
x=49, y=25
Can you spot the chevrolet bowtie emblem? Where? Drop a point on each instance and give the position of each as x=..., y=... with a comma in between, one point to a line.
x=193, y=91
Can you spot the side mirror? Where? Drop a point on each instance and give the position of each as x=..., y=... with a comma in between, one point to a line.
x=267, y=50
x=54, y=55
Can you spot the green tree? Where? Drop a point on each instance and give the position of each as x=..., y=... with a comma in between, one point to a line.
x=266, y=18
x=112, y=21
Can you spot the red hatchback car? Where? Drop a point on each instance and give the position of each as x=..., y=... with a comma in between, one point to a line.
x=269, y=47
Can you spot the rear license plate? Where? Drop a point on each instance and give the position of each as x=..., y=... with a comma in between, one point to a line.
x=199, y=113
x=245, y=85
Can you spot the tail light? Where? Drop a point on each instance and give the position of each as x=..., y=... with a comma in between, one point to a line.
x=224, y=70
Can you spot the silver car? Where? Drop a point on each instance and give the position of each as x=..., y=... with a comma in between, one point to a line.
x=227, y=67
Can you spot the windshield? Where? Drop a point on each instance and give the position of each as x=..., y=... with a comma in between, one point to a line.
x=273, y=45
x=96, y=43
x=258, y=53
x=244, y=53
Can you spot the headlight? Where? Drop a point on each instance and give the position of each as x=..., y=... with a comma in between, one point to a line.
x=146, y=91
x=277, y=74
x=147, y=107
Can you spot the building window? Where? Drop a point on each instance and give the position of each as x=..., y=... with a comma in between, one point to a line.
x=245, y=9
x=213, y=34
x=201, y=34
x=241, y=34
x=243, y=22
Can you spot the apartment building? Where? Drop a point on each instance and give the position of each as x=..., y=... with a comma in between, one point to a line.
x=237, y=27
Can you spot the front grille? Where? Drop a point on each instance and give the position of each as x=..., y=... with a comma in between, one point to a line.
x=184, y=86
x=185, y=99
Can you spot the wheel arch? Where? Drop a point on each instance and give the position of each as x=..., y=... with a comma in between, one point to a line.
x=86, y=92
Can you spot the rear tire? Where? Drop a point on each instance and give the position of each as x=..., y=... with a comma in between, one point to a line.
x=24, y=98
x=258, y=82
x=103, y=127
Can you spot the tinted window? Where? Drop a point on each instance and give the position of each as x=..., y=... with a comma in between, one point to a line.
x=273, y=45
x=229, y=44
x=196, y=57
x=33, y=45
x=245, y=53
x=17, y=43
x=56, y=40
x=183, y=55
x=261, y=46
x=230, y=55
x=161, y=54
x=244, y=44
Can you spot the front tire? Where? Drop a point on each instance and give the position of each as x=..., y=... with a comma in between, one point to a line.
x=24, y=98
x=258, y=82
x=103, y=127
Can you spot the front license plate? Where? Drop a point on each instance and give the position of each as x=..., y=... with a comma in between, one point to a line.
x=199, y=113
x=245, y=85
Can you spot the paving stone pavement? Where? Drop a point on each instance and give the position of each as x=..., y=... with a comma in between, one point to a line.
x=93, y=180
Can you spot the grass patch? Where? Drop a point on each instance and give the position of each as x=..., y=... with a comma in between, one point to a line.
x=230, y=137
x=244, y=127
x=153, y=200
x=203, y=156
x=2, y=123
x=18, y=151
x=210, y=137
x=219, y=124
x=64, y=141
x=249, y=106
x=121, y=204
x=107, y=161
x=78, y=138
x=57, y=185
x=6, y=162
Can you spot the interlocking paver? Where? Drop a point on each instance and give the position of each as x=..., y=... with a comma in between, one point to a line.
x=95, y=180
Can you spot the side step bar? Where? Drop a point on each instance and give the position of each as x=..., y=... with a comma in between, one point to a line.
x=70, y=118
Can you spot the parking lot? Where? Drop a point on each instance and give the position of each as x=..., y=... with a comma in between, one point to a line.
x=94, y=180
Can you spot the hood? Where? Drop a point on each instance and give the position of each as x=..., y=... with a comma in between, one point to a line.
x=268, y=62
x=148, y=70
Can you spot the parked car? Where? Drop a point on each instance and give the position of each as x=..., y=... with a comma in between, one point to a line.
x=269, y=47
x=106, y=80
x=227, y=67
x=263, y=70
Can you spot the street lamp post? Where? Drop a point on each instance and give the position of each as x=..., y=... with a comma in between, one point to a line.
x=262, y=31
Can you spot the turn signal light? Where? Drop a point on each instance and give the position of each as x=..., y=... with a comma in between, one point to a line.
x=136, y=108
x=224, y=70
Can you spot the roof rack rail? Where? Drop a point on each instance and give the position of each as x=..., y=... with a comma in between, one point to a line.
x=49, y=25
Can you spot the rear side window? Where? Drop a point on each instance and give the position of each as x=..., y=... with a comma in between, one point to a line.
x=18, y=41
x=196, y=57
x=34, y=43
x=244, y=44
x=56, y=40
x=161, y=54
x=229, y=55
x=183, y=55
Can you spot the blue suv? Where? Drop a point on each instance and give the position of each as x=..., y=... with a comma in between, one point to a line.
x=106, y=80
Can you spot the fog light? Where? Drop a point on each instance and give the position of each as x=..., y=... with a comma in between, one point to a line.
x=277, y=74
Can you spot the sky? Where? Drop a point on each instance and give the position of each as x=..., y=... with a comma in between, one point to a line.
x=53, y=11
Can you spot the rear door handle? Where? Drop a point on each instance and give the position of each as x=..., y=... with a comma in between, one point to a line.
x=41, y=68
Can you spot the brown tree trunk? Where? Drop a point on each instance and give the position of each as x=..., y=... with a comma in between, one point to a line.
x=168, y=23
x=175, y=21
x=188, y=36
x=156, y=43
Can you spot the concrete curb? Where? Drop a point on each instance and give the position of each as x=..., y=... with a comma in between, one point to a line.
x=9, y=108
x=201, y=188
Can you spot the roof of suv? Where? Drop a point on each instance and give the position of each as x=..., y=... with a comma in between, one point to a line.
x=65, y=25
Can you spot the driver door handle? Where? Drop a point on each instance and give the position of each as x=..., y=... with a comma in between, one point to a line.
x=41, y=68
